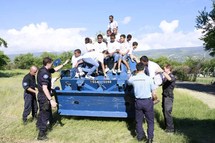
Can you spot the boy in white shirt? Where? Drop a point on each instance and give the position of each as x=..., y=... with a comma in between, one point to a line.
x=100, y=46
x=75, y=58
x=112, y=47
x=130, y=53
x=112, y=24
x=89, y=46
x=93, y=59
x=124, y=49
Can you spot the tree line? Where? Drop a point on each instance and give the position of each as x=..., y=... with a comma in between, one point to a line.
x=188, y=70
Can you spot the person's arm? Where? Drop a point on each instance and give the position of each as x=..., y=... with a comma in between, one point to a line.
x=160, y=70
x=61, y=66
x=79, y=62
x=48, y=96
x=167, y=76
x=31, y=90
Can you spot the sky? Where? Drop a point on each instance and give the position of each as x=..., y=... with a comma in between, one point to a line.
x=61, y=25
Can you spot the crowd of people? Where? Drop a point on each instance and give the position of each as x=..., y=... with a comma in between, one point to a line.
x=114, y=48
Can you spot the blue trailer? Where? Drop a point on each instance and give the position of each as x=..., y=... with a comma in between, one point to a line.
x=102, y=97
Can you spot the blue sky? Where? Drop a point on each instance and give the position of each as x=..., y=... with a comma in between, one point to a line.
x=61, y=25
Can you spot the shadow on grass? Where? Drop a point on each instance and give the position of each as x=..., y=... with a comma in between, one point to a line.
x=197, y=131
x=9, y=74
x=196, y=87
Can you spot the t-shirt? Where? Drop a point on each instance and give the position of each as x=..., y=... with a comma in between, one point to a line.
x=112, y=46
x=152, y=67
x=124, y=47
x=143, y=85
x=89, y=47
x=100, y=47
x=95, y=55
x=75, y=60
x=112, y=25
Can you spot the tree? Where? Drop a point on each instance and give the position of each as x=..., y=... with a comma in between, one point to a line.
x=3, y=42
x=206, y=22
x=24, y=61
x=4, y=60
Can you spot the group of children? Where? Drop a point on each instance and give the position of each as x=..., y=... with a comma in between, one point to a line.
x=114, y=48
x=102, y=53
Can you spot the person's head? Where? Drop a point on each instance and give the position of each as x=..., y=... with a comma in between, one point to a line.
x=144, y=60
x=33, y=70
x=115, y=31
x=112, y=37
x=47, y=62
x=139, y=67
x=129, y=37
x=87, y=40
x=134, y=45
x=122, y=38
x=111, y=18
x=100, y=38
x=108, y=32
x=77, y=52
x=105, y=52
x=167, y=68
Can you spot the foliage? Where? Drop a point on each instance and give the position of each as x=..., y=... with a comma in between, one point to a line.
x=3, y=42
x=4, y=60
x=206, y=22
x=24, y=61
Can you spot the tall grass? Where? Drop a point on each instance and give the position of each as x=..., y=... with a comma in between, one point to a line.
x=194, y=121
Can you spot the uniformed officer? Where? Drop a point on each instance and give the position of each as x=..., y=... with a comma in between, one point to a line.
x=30, y=102
x=144, y=89
x=44, y=96
x=167, y=98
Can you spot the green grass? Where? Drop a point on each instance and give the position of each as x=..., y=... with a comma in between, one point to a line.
x=205, y=80
x=194, y=121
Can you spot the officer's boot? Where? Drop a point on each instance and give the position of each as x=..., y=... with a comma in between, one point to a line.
x=42, y=136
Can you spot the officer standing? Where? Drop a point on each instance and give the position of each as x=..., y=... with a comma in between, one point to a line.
x=30, y=102
x=168, y=97
x=143, y=91
x=44, y=96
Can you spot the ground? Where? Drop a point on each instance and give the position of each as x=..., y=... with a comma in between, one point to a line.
x=205, y=93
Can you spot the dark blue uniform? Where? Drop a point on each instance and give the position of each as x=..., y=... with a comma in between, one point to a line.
x=167, y=102
x=143, y=86
x=45, y=112
x=30, y=102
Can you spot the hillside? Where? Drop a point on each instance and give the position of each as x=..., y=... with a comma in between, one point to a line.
x=178, y=54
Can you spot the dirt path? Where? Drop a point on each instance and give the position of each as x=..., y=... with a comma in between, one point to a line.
x=205, y=93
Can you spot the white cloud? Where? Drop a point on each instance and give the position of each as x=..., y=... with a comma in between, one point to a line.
x=169, y=27
x=169, y=38
x=126, y=20
x=41, y=38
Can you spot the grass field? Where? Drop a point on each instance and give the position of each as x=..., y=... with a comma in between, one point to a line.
x=205, y=80
x=194, y=121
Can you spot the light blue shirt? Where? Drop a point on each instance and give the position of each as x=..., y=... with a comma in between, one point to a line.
x=143, y=85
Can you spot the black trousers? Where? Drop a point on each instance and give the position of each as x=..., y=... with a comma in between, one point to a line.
x=30, y=106
x=167, y=103
x=45, y=113
x=144, y=108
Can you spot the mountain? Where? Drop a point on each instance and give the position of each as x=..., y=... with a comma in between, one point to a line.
x=179, y=54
